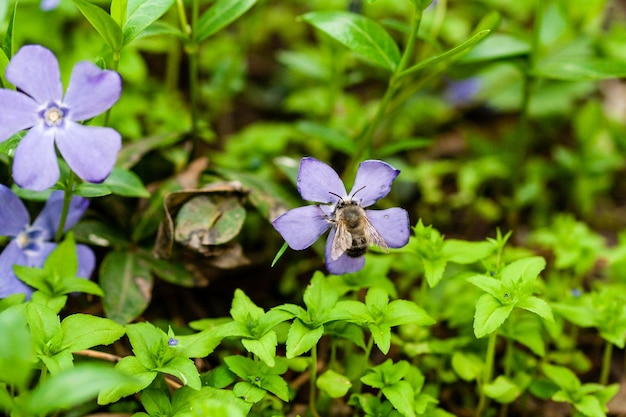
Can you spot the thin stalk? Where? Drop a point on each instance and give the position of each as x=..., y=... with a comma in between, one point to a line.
x=487, y=373
x=67, y=199
x=114, y=66
x=606, y=363
x=192, y=52
x=312, y=382
x=365, y=138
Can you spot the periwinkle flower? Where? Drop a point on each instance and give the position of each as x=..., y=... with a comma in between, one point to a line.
x=353, y=230
x=49, y=4
x=31, y=243
x=39, y=105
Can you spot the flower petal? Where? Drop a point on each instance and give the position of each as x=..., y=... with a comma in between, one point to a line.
x=13, y=213
x=373, y=181
x=49, y=4
x=344, y=264
x=392, y=224
x=9, y=283
x=302, y=226
x=90, y=151
x=50, y=215
x=35, y=71
x=91, y=91
x=35, y=166
x=316, y=181
x=17, y=112
x=86, y=261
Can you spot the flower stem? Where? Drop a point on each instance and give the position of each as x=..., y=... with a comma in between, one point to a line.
x=312, y=382
x=67, y=199
x=192, y=53
x=606, y=363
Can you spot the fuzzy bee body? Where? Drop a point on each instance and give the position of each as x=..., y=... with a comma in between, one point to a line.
x=354, y=232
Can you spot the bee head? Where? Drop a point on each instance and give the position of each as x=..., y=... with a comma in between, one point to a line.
x=349, y=201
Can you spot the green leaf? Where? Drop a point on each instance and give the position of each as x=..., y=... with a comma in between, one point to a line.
x=402, y=396
x=141, y=14
x=467, y=366
x=35, y=277
x=276, y=385
x=142, y=377
x=16, y=352
x=523, y=270
x=360, y=34
x=538, y=306
x=264, y=347
x=44, y=326
x=127, y=285
x=156, y=402
x=249, y=392
x=400, y=312
x=502, y=389
x=102, y=22
x=9, y=146
x=490, y=314
x=61, y=263
x=433, y=270
x=319, y=296
x=581, y=68
x=562, y=377
x=118, y=11
x=489, y=285
x=84, y=331
x=7, y=44
x=464, y=252
x=147, y=342
x=71, y=285
x=244, y=311
x=301, y=338
x=72, y=387
x=590, y=406
x=183, y=369
x=382, y=336
x=333, y=384
x=219, y=15
x=125, y=183
x=448, y=55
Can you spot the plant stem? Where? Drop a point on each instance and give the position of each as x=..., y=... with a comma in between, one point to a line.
x=312, y=382
x=487, y=373
x=606, y=363
x=67, y=199
x=192, y=52
x=366, y=137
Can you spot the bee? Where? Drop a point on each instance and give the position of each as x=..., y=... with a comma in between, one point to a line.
x=354, y=232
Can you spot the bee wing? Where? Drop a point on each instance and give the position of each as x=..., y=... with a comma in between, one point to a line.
x=374, y=237
x=341, y=242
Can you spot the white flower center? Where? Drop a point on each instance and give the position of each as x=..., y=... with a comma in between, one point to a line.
x=53, y=115
x=30, y=240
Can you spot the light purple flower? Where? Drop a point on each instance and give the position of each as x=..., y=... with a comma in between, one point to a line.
x=31, y=244
x=318, y=182
x=49, y=4
x=39, y=105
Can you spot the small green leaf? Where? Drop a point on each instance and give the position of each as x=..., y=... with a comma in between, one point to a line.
x=84, y=331
x=264, y=347
x=490, y=314
x=142, y=377
x=563, y=377
x=538, y=306
x=72, y=387
x=464, y=252
x=402, y=396
x=71, y=285
x=127, y=286
x=118, y=11
x=498, y=46
x=276, y=385
x=400, y=312
x=183, y=369
x=581, y=68
x=360, y=34
x=146, y=341
x=156, y=402
x=467, y=366
x=489, y=285
x=102, y=22
x=523, y=270
x=382, y=336
x=502, y=389
x=301, y=338
x=249, y=392
x=16, y=352
x=141, y=14
x=333, y=384
x=590, y=406
x=319, y=296
x=244, y=311
x=219, y=15
x=125, y=183
x=7, y=44
x=44, y=325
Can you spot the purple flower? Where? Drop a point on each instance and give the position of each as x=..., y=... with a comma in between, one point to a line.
x=352, y=228
x=461, y=92
x=49, y=4
x=39, y=105
x=31, y=244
